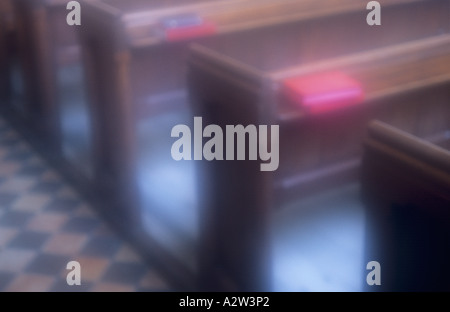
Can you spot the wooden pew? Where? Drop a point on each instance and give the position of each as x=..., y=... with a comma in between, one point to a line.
x=136, y=71
x=404, y=82
x=136, y=76
x=406, y=187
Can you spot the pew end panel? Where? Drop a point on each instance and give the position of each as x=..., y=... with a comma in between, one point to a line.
x=406, y=187
x=7, y=50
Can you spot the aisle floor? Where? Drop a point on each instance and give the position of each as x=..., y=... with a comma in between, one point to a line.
x=44, y=224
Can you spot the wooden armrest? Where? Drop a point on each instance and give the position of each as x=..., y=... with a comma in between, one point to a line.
x=383, y=136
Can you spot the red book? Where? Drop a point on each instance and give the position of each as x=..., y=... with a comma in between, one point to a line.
x=184, y=28
x=324, y=92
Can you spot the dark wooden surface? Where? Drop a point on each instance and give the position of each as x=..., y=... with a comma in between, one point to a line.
x=406, y=187
x=7, y=31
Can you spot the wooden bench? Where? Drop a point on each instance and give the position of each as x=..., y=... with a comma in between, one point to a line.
x=136, y=70
x=406, y=187
x=404, y=82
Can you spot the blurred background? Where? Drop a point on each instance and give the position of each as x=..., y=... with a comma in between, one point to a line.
x=86, y=171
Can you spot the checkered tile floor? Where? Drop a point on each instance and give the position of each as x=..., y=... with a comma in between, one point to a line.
x=44, y=225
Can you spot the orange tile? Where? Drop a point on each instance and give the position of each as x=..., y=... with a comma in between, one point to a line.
x=50, y=175
x=47, y=222
x=6, y=235
x=85, y=210
x=92, y=268
x=112, y=287
x=67, y=193
x=31, y=202
x=152, y=280
x=65, y=244
x=8, y=168
x=127, y=254
x=104, y=229
x=31, y=283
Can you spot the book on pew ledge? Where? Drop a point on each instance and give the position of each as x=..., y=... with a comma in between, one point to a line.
x=187, y=26
x=324, y=92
